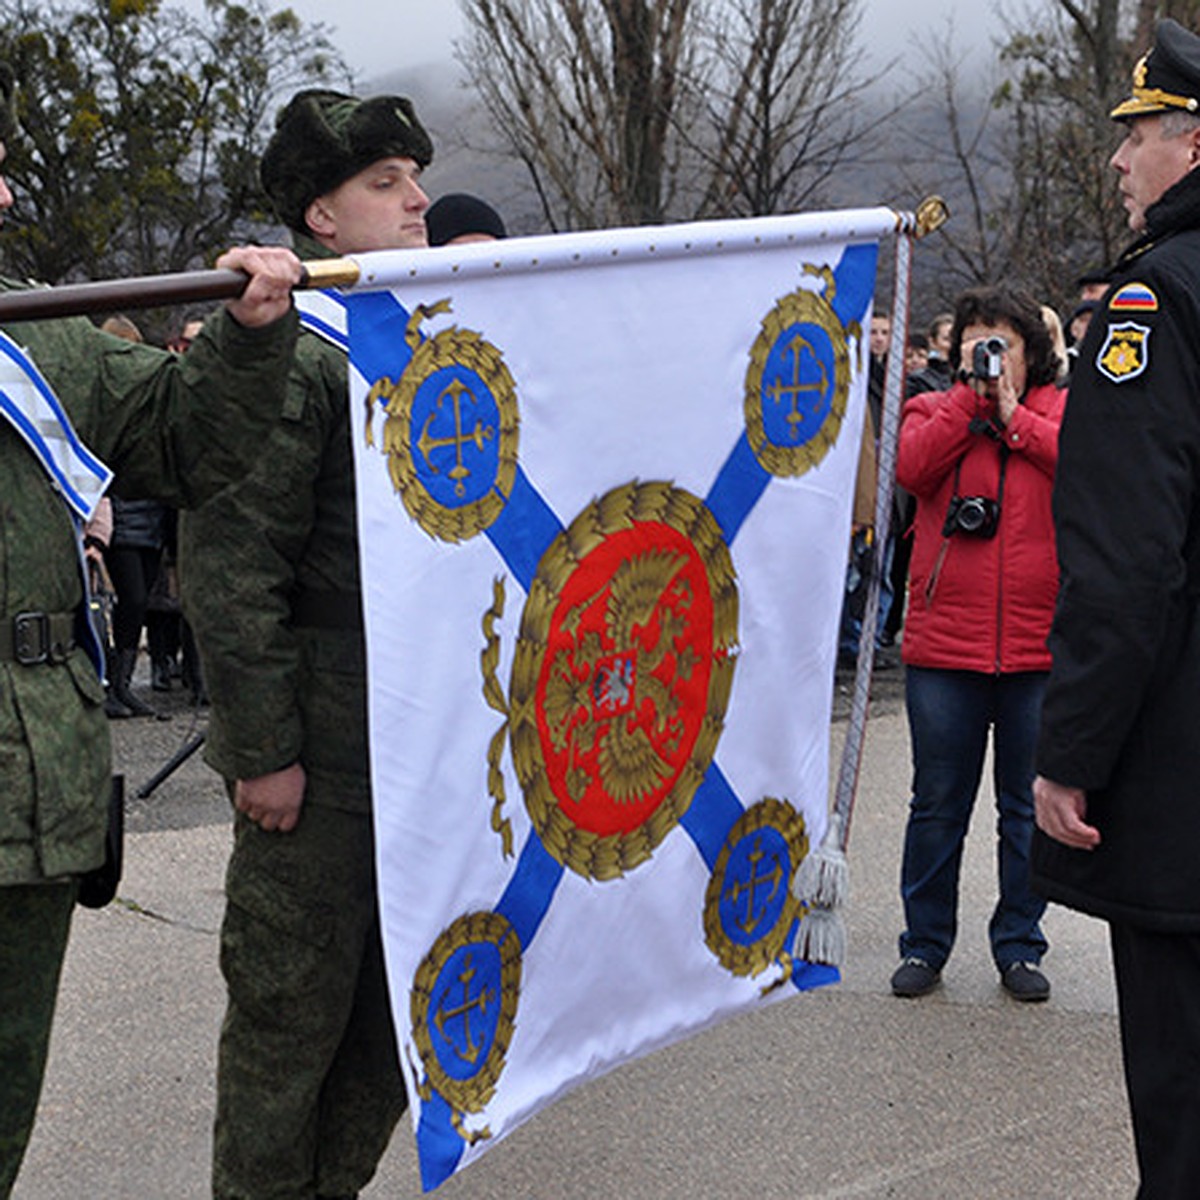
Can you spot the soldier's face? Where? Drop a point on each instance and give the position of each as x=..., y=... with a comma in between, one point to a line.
x=380, y=208
x=1149, y=163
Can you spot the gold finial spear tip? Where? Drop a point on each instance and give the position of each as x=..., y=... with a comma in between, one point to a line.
x=932, y=214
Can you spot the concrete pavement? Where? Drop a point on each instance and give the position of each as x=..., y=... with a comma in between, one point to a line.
x=846, y=1092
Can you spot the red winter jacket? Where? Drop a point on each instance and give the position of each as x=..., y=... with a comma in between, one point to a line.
x=980, y=604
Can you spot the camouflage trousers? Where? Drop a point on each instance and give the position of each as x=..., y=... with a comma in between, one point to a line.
x=309, y=1088
x=34, y=923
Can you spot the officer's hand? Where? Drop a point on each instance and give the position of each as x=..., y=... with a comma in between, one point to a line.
x=1060, y=811
x=273, y=271
x=272, y=801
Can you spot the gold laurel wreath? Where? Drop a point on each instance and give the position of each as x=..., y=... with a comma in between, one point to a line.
x=592, y=855
x=752, y=959
x=473, y=1094
x=493, y=693
x=801, y=307
x=453, y=347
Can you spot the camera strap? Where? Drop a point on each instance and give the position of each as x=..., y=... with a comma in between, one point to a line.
x=1003, y=467
x=935, y=574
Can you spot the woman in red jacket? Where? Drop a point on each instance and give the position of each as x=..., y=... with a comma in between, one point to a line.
x=980, y=461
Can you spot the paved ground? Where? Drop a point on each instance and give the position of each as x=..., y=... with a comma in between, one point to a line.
x=846, y=1092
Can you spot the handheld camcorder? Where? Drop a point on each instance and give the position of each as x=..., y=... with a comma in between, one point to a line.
x=987, y=359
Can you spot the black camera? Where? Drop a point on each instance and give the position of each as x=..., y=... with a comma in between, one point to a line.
x=975, y=516
x=987, y=359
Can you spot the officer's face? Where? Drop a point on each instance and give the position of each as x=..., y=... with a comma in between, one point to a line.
x=380, y=208
x=1149, y=163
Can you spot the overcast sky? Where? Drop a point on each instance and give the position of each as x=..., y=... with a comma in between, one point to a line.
x=377, y=36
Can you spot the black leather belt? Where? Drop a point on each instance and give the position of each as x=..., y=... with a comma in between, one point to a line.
x=33, y=638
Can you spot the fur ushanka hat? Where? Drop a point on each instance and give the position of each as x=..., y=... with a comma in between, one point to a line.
x=322, y=138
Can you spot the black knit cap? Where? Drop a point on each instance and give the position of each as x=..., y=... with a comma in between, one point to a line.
x=1166, y=78
x=322, y=138
x=457, y=214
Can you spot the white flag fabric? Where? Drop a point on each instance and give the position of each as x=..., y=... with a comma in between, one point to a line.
x=604, y=490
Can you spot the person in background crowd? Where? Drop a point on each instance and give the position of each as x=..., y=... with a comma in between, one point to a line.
x=1058, y=339
x=166, y=428
x=458, y=218
x=1118, y=756
x=862, y=535
x=916, y=357
x=979, y=458
x=132, y=555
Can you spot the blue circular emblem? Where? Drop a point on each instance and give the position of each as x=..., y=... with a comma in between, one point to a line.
x=798, y=385
x=749, y=906
x=463, y=1006
x=454, y=432
x=464, y=1009
x=797, y=381
x=451, y=430
x=757, y=880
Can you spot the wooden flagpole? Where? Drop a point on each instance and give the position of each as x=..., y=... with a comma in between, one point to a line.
x=155, y=291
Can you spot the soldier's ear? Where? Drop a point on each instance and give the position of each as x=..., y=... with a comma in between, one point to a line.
x=319, y=219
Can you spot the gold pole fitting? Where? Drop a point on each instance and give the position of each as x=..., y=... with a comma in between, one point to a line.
x=330, y=272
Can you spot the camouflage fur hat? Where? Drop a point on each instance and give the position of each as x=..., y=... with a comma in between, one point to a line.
x=322, y=138
x=8, y=102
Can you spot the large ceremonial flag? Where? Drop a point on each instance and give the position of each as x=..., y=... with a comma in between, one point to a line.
x=604, y=488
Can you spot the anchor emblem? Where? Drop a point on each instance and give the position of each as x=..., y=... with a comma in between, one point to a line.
x=475, y=437
x=450, y=428
x=755, y=913
x=470, y=1004
x=749, y=908
x=798, y=381
x=778, y=390
x=463, y=1008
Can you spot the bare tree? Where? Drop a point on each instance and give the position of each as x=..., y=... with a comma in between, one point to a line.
x=782, y=104
x=584, y=93
x=637, y=111
x=1028, y=178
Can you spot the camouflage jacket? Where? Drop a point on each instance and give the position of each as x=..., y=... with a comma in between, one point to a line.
x=174, y=428
x=283, y=689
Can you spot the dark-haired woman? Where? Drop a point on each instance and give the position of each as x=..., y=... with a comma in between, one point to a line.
x=980, y=460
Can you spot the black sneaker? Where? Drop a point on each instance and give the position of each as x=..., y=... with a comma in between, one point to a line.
x=915, y=977
x=1023, y=981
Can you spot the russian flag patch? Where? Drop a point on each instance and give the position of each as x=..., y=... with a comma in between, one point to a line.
x=1133, y=297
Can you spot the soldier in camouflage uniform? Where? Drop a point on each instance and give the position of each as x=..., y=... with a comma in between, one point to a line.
x=175, y=428
x=309, y=1088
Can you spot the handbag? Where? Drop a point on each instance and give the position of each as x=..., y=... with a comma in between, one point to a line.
x=98, y=886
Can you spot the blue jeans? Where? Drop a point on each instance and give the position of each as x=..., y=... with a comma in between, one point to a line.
x=850, y=626
x=949, y=714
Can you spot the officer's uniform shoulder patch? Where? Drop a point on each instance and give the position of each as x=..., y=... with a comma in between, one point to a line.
x=1133, y=298
x=1125, y=352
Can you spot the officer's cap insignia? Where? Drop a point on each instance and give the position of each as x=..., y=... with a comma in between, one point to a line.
x=749, y=907
x=450, y=429
x=1133, y=298
x=798, y=380
x=620, y=677
x=1126, y=352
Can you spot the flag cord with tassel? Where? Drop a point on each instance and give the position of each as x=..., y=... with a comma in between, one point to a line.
x=822, y=882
